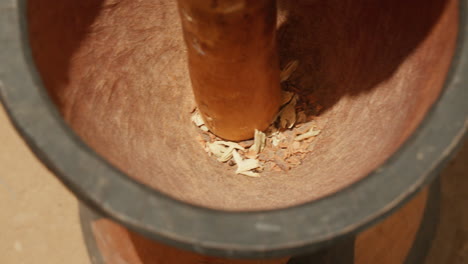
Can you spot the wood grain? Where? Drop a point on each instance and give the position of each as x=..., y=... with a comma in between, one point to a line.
x=233, y=63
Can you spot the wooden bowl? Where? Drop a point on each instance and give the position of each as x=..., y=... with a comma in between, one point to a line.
x=100, y=91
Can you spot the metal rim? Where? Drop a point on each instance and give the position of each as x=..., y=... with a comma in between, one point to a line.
x=254, y=234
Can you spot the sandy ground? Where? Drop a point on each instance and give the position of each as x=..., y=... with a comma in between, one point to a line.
x=38, y=217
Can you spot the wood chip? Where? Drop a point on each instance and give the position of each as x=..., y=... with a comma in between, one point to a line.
x=280, y=148
x=304, y=128
x=288, y=70
x=197, y=119
x=288, y=114
x=245, y=165
x=227, y=155
x=223, y=149
x=275, y=141
x=259, y=141
x=309, y=134
x=217, y=150
x=251, y=154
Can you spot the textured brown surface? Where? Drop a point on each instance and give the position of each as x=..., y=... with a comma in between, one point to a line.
x=233, y=62
x=117, y=71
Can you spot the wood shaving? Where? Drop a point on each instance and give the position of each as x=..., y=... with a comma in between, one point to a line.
x=279, y=148
x=259, y=142
x=309, y=134
x=223, y=149
x=275, y=140
x=197, y=119
x=304, y=128
x=288, y=70
x=217, y=150
x=227, y=155
x=251, y=154
x=244, y=166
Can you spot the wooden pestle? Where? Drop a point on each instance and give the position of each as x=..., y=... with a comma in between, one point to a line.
x=233, y=63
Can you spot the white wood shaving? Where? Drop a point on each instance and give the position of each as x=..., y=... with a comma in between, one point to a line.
x=237, y=157
x=223, y=149
x=308, y=134
x=288, y=70
x=204, y=128
x=217, y=150
x=245, y=165
x=197, y=119
x=259, y=141
x=275, y=141
x=227, y=155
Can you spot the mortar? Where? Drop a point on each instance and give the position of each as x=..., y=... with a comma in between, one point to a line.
x=110, y=117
